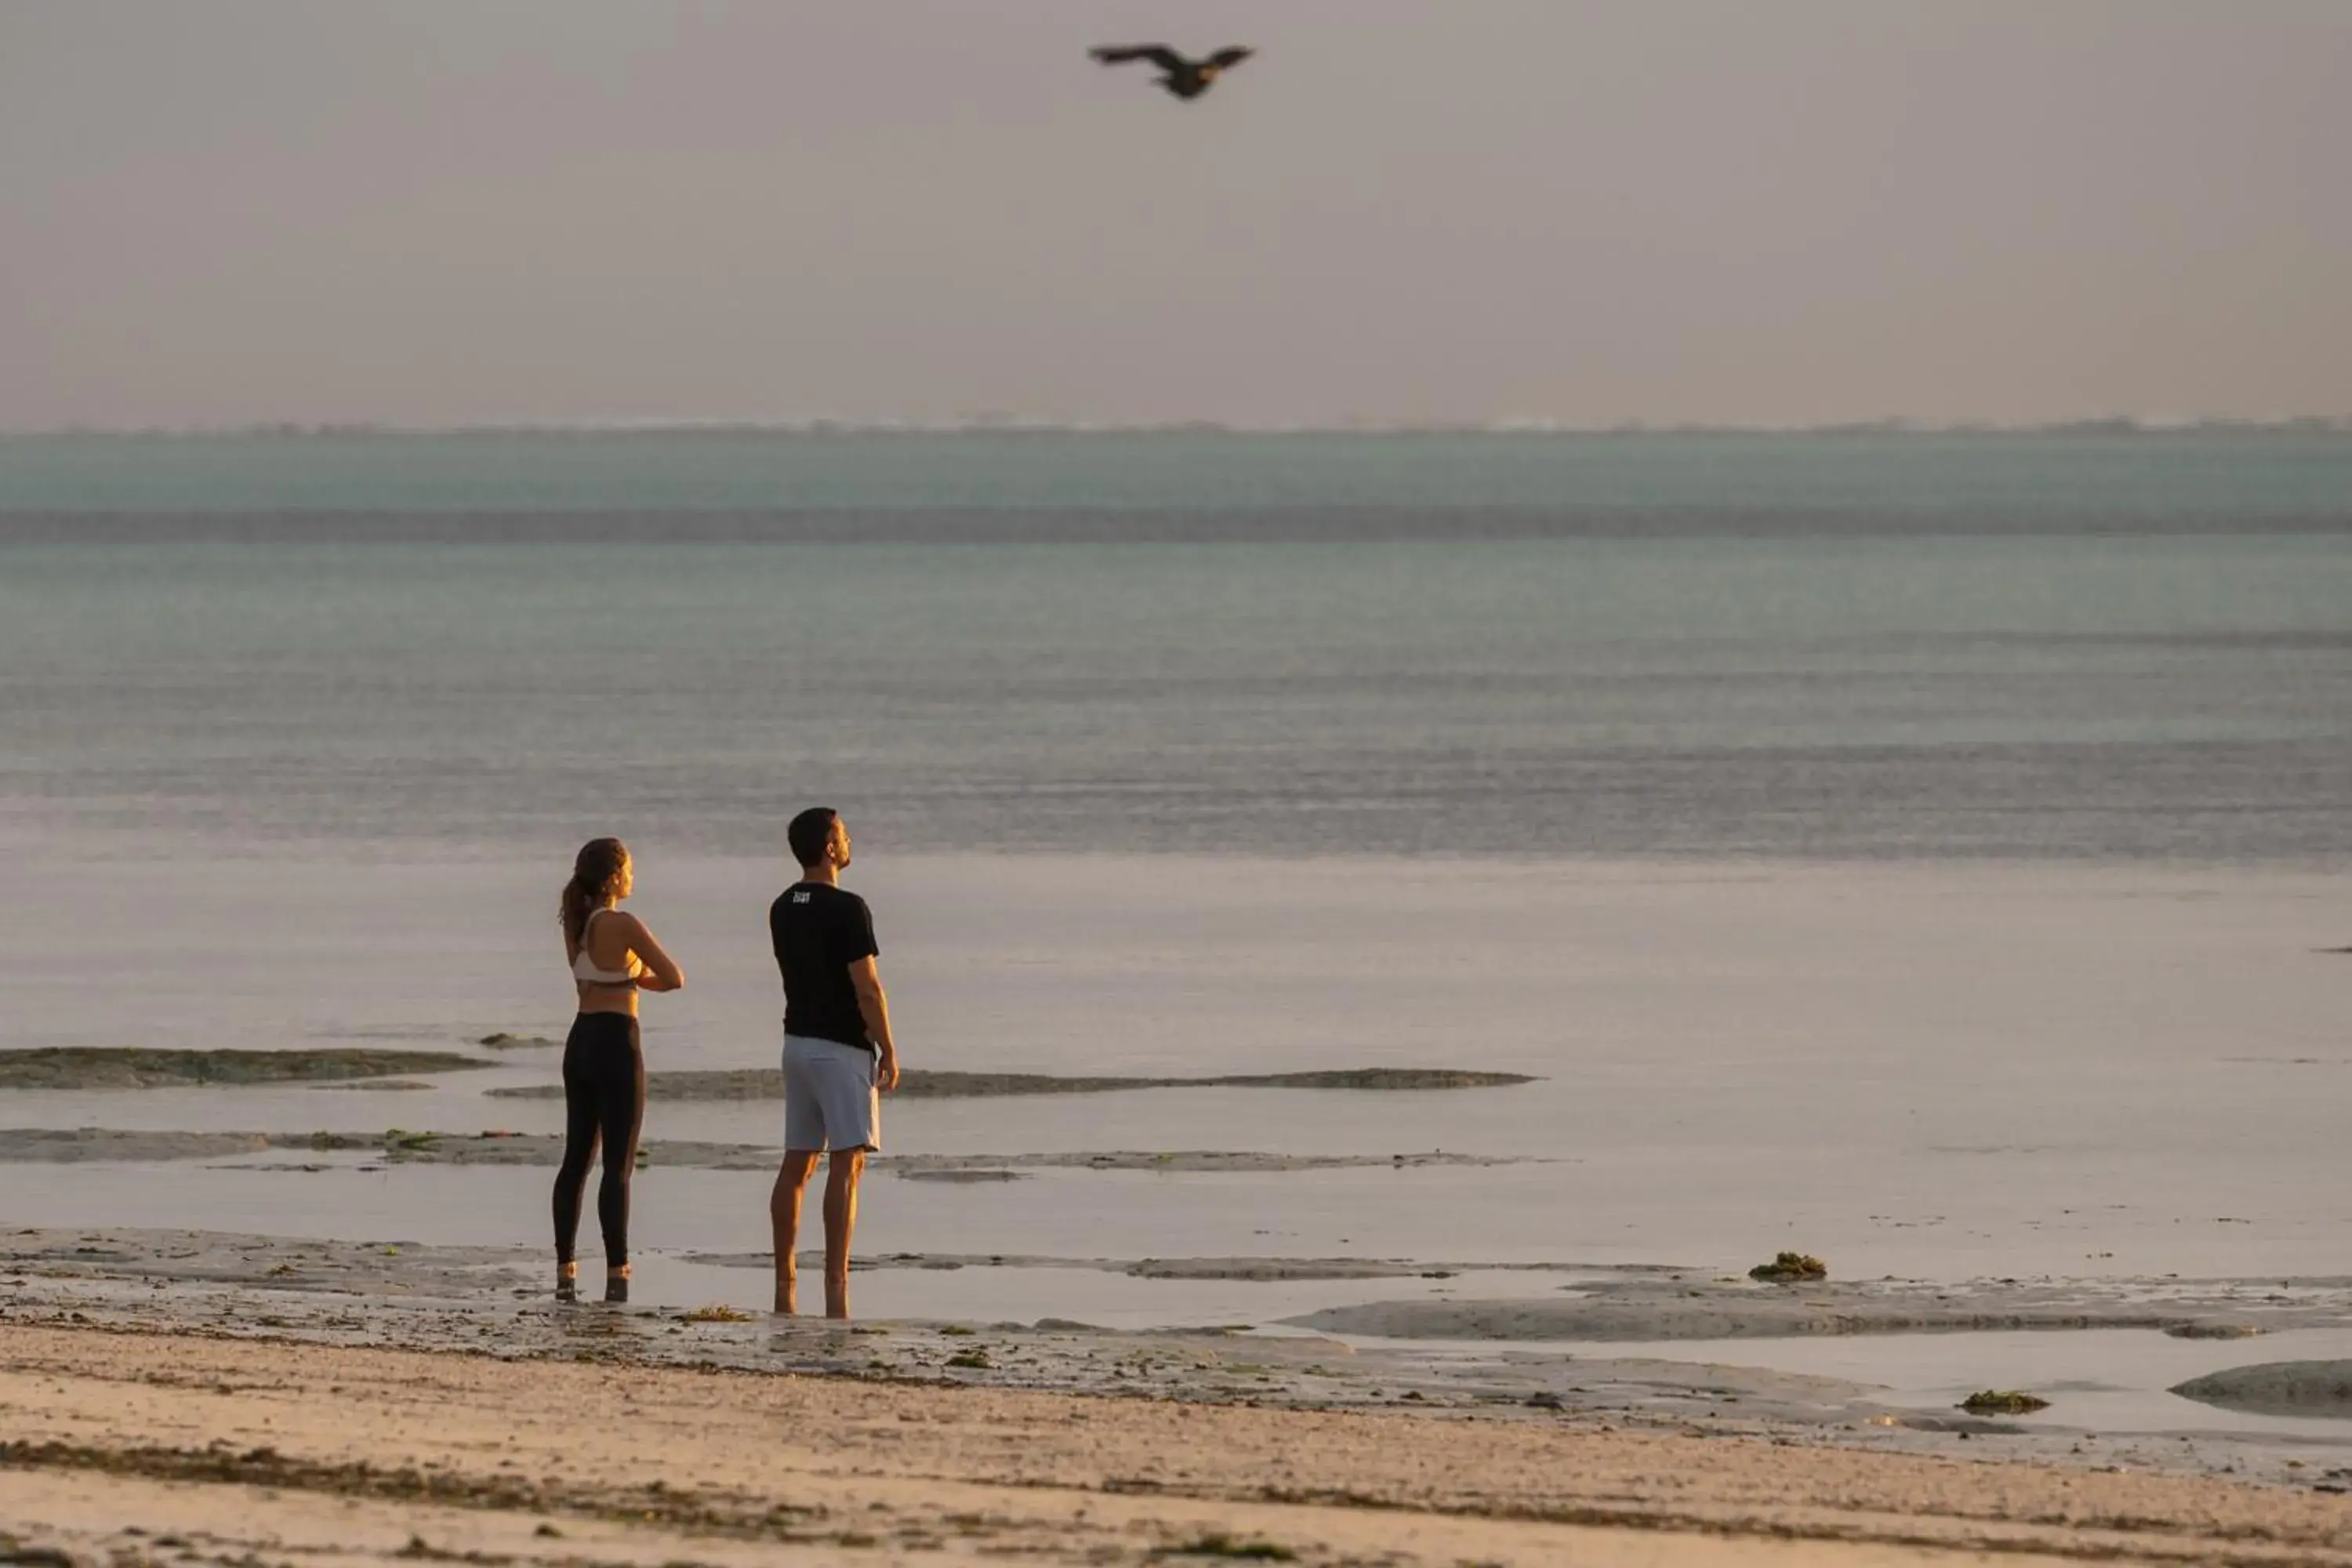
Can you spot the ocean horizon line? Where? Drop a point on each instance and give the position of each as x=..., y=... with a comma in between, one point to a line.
x=2113, y=426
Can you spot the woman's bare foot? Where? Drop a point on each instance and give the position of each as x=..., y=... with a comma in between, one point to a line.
x=787, y=1294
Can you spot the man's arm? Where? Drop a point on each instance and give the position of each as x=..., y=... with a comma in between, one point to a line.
x=874, y=1006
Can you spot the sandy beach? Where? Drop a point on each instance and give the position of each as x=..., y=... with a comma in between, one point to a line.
x=193, y=1397
x=135, y=1447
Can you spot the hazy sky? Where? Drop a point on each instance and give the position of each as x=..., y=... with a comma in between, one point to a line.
x=1780, y=211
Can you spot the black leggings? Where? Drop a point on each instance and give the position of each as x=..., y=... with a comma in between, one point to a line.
x=604, y=1100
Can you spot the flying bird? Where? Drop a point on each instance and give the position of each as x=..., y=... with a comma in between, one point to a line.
x=1187, y=79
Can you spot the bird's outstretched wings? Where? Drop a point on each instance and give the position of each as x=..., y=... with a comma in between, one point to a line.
x=1161, y=55
x=1224, y=59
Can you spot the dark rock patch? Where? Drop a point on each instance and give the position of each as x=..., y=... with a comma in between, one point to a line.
x=502, y=1041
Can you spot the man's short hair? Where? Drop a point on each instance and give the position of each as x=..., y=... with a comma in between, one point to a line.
x=809, y=831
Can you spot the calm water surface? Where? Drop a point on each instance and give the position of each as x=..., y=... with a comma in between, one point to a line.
x=2118, y=649
x=1908, y=848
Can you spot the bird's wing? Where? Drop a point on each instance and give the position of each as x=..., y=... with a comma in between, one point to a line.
x=1224, y=59
x=1161, y=55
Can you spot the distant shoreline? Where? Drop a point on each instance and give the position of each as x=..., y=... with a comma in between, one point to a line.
x=2093, y=428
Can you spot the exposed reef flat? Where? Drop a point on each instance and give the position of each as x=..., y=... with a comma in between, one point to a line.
x=358, y=1269
x=1180, y=1161
x=1649, y=1310
x=763, y=1083
x=2315, y=1388
x=53, y=1145
x=136, y=1066
x=77, y=1145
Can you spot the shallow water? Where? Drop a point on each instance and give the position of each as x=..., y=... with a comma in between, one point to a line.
x=1942, y=1074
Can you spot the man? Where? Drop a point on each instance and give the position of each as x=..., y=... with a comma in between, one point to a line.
x=838, y=1053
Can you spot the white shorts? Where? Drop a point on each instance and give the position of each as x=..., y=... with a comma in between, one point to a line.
x=830, y=1098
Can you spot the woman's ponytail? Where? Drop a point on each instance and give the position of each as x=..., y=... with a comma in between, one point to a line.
x=594, y=871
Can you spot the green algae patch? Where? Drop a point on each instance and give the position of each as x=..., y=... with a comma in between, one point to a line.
x=716, y=1312
x=137, y=1067
x=2004, y=1401
x=1790, y=1269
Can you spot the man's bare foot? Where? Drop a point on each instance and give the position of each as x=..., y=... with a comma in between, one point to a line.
x=787, y=1296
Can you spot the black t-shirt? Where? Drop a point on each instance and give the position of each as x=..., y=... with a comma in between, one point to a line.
x=819, y=932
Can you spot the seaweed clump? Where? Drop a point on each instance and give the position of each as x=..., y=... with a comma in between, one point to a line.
x=1217, y=1543
x=1790, y=1267
x=2004, y=1401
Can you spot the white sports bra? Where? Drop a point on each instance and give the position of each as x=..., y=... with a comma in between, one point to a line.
x=585, y=968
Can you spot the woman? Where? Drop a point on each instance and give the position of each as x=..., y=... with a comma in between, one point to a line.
x=613, y=958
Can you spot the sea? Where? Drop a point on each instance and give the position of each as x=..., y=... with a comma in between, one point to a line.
x=1917, y=849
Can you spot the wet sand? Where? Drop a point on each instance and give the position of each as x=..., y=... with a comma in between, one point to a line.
x=132, y=1449
x=402, y=1294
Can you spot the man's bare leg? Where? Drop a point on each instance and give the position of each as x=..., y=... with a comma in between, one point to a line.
x=840, y=1220
x=784, y=1220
